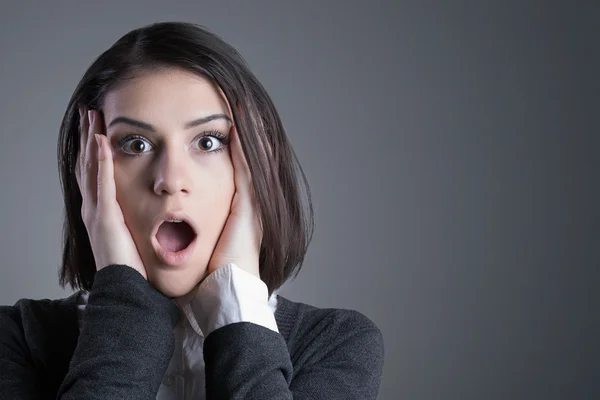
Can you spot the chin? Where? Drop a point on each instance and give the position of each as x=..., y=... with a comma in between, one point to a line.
x=174, y=284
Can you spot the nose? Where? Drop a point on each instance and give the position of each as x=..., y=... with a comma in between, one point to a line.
x=173, y=173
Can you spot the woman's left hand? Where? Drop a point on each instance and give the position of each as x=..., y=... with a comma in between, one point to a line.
x=241, y=237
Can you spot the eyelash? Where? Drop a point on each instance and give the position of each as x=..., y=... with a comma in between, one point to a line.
x=215, y=134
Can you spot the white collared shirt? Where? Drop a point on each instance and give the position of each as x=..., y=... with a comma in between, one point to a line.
x=228, y=295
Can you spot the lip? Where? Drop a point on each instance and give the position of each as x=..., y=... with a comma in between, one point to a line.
x=169, y=257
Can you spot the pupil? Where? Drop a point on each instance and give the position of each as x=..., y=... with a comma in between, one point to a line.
x=139, y=146
x=208, y=141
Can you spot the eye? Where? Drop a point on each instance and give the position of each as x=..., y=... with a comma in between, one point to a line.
x=212, y=142
x=209, y=143
x=134, y=145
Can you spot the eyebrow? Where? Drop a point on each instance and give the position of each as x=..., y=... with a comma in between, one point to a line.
x=148, y=127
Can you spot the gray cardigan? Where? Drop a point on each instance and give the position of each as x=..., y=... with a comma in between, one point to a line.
x=127, y=341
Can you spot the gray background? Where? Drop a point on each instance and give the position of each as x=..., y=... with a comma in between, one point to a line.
x=452, y=149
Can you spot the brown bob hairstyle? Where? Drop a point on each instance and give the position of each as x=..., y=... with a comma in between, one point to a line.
x=281, y=189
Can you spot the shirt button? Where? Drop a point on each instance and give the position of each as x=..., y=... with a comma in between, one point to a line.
x=168, y=380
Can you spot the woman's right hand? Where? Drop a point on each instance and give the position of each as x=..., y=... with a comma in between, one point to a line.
x=109, y=236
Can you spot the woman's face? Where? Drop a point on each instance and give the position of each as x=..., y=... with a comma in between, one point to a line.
x=165, y=163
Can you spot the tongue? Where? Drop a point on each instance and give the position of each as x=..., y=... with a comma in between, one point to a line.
x=174, y=236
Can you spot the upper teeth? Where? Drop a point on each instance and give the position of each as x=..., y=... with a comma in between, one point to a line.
x=174, y=220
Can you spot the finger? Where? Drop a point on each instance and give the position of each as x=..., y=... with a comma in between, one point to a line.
x=83, y=127
x=240, y=165
x=91, y=157
x=243, y=180
x=106, y=176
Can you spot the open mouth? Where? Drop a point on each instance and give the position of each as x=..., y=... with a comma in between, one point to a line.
x=175, y=236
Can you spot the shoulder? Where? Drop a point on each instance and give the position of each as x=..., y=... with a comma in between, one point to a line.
x=291, y=313
x=41, y=331
x=302, y=323
x=32, y=314
x=344, y=345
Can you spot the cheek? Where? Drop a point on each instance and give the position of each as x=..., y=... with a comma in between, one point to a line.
x=128, y=192
x=214, y=199
x=218, y=190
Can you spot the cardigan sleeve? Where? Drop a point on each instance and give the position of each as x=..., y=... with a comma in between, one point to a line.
x=126, y=341
x=121, y=353
x=229, y=295
x=246, y=358
x=247, y=361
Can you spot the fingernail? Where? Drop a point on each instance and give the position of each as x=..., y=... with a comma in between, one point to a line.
x=98, y=141
x=91, y=116
x=80, y=113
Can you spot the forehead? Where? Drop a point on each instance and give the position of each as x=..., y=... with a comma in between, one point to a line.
x=166, y=94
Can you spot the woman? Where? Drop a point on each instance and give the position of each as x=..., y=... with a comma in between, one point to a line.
x=184, y=215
